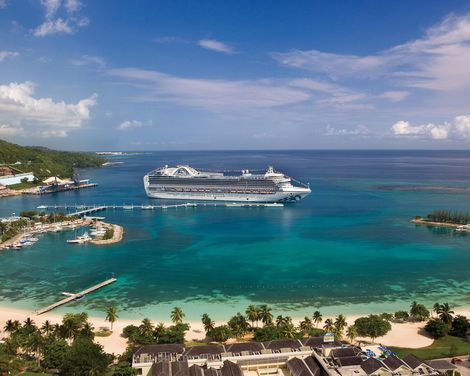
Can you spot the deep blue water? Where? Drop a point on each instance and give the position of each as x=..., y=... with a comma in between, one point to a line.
x=348, y=244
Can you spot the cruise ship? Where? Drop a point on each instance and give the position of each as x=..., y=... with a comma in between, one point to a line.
x=187, y=183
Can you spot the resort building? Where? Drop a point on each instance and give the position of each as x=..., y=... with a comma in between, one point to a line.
x=10, y=176
x=315, y=356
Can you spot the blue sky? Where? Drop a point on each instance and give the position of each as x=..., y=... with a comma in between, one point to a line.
x=154, y=75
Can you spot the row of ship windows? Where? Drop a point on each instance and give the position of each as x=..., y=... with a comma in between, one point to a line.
x=210, y=182
x=227, y=190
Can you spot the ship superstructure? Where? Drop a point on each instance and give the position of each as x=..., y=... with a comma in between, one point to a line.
x=187, y=183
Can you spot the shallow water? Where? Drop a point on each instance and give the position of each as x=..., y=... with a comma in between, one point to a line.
x=348, y=244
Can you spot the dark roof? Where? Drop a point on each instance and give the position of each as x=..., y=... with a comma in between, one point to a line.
x=231, y=369
x=166, y=368
x=212, y=372
x=245, y=346
x=348, y=361
x=413, y=361
x=297, y=367
x=394, y=363
x=345, y=352
x=441, y=365
x=196, y=370
x=160, y=349
x=318, y=342
x=305, y=367
x=204, y=350
x=371, y=365
x=282, y=343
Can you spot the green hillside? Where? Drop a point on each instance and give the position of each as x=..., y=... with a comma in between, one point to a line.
x=45, y=162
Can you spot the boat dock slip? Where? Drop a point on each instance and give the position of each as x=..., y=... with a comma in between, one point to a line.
x=72, y=297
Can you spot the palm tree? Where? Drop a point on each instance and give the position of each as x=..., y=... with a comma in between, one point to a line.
x=435, y=308
x=317, y=318
x=177, y=315
x=207, y=322
x=340, y=324
x=159, y=331
x=146, y=328
x=35, y=345
x=329, y=325
x=351, y=333
x=111, y=315
x=288, y=330
x=47, y=327
x=306, y=325
x=11, y=326
x=252, y=314
x=87, y=331
x=265, y=314
x=29, y=325
x=445, y=313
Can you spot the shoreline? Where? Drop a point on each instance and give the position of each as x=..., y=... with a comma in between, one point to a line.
x=434, y=224
x=118, y=234
x=408, y=334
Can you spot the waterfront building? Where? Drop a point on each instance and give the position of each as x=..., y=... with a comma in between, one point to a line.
x=314, y=356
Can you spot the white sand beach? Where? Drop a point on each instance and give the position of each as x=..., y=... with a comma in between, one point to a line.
x=410, y=335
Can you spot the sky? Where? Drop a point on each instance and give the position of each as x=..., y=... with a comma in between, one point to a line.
x=205, y=75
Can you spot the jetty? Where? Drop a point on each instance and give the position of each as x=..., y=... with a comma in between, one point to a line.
x=78, y=295
x=84, y=210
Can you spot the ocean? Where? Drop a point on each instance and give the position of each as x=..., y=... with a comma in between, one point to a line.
x=347, y=248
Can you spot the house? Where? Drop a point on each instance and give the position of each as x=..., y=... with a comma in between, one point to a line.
x=374, y=367
x=397, y=365
x=418, y=365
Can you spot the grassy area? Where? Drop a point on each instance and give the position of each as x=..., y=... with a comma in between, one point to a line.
x=441, y=348
x=103, y=332
x=23, y=185
x=28, y=373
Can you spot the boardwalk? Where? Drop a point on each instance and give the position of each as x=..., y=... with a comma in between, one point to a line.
x=75, y=296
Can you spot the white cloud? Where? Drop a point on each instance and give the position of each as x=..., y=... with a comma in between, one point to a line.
x=210, y=94
x=73, y=6
x=438, y=61
x=129, y=124
x=394, y=96
x=8, y=130
x=89, y=60
x=51, y=7
x=41, y=115
x=57, y=26
x=462, y=125
x=5, y=54
x=459, y=129
x=3, y=4
x=360, y=130
x=215, y=45
x=53, y=23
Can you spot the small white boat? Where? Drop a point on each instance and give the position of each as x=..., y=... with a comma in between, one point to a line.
x=463, y=228
x=85, y=238
x=128, y=207
x=42, y=207
x=146, y=207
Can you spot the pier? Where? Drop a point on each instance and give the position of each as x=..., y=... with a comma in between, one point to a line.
x=78, y=295
x=83, y=210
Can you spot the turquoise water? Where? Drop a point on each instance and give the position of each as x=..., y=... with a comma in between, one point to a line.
x=346, y=248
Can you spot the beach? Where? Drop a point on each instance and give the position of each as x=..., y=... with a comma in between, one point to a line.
x=409, y=334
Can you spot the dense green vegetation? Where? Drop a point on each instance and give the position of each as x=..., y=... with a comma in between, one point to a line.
x=45, y=162
x=10, y=229
x=449, y=216
x=67, y=348
x=109, y=233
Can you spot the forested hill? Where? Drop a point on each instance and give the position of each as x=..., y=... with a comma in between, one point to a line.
x=46, y=162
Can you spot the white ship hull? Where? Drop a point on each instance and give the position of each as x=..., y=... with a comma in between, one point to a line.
x=232, y=197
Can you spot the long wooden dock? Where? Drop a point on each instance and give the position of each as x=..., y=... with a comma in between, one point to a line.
x=76, y=296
